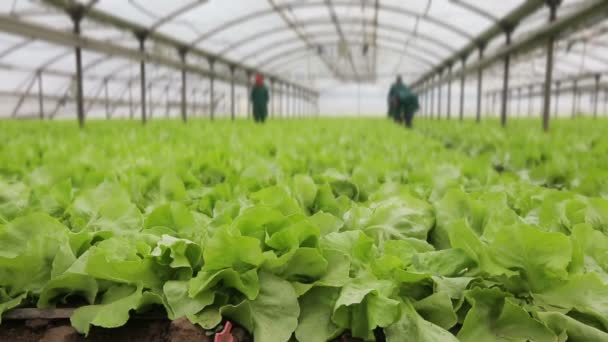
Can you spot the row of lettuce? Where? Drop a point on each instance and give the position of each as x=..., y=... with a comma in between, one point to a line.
x=300, y=230
x=571, y=157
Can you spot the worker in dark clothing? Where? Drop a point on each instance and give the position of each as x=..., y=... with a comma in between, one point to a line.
x=403, y=103
x=259, y=99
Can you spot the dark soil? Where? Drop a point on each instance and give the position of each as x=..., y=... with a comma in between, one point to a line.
x=61, y=331
x=142, y=330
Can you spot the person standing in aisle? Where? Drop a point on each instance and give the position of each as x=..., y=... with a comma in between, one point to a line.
x=403, y=103
x=259, y=99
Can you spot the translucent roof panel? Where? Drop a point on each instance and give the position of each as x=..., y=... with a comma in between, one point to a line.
x=315, y=43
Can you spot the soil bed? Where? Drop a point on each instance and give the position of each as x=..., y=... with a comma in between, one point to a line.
x=33, y=325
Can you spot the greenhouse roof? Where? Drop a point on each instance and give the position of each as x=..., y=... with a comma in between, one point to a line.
x=301, y=43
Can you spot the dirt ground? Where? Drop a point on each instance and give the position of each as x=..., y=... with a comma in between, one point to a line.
x=38, y=330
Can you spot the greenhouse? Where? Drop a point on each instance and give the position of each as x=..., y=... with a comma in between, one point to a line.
x=304, y=171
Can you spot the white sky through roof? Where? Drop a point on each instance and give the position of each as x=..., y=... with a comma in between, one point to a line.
x=351, y=62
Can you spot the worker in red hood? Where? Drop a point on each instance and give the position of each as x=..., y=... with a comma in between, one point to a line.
x=259, y=99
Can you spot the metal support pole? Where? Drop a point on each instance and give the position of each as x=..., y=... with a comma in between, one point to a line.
x=232, y=101
x=285, y=97
x=530, y=99
x=107, y=98
x=424, y=101
x=479, y=85
x=597, y=95
x=301, y=102
x=141, y=36
x=193, y=105
x=462, y=90
x=298, y=108
x=131, y=110
x=184, y=101
x=553, y=4
x=427, y=106
x=505, y=83
x=212, y=90
x=298, y=104
x=428, y=96
x=271, y=91
x=293, y=101
x=150, y=107
x=40, y=95
x=606, y=102
x=519, y=99
x=574, y=98
x=167, y=104
x=77, y=16
x=432, y=90
x=449, y=112
x=280, y=93
x=249, y=104
x=439, y=96
x=558, y=85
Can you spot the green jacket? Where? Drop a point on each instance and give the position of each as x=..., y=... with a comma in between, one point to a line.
x=259, y=99
x=401, y=98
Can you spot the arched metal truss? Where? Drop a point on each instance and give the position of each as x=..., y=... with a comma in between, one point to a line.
x=300, y=54
x=322, y=35
x=295, y=5
x=269, y=62
x=314, y=23
x=432, y=54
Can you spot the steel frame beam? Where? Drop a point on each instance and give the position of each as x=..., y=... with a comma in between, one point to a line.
x=575, y=91
x=307, y=54
x=232, y=100
x=462, y=89
x=316, y=22
x=28, y=90
x=586, y=12
x=142, y=73
x=586, y=89
x=517, y=15
x=77, y=19
x=553, y=4
x=184, y=93
x=97, y=101
x=341, y=35
x=439, y=95
x=296, y=4
x=249, y=103
x=119, y=23
x=176, y=13
x=570, y=78
x=40, y=95
x=379, y=39
x=17, y=27
x=303, y=37
x=558, y=85
x=596, y=98
x=530, y=102
x=505, y=89
x=432, y=107
x=479, y=86
x=285, y=54
x=212, y=90
x=449, y=110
